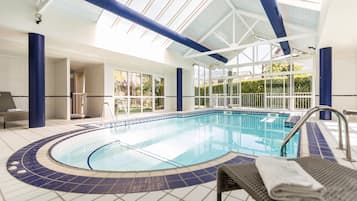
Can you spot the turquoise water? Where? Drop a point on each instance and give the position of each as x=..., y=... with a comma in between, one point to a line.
x=176, y=142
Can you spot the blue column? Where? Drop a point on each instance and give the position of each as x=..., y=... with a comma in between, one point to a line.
x=36, y=80
x=179, y=88
x=325, y=81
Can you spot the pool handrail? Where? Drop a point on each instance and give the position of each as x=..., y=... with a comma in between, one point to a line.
x=308, y=114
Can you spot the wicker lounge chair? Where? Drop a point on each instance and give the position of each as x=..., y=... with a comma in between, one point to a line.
x=340, y=181
x=8, y=109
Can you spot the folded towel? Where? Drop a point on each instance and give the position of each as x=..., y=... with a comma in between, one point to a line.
x=15, y=110
x=287, y=180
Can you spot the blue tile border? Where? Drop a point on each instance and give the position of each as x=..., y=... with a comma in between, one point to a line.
x=40, y=176
x=317, y=143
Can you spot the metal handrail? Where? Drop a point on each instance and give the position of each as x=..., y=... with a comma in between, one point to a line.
x=308, y=114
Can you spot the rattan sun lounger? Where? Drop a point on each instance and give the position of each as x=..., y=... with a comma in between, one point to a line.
x=340, y=181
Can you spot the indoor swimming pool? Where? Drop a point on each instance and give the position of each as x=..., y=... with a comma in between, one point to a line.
x=176, y=142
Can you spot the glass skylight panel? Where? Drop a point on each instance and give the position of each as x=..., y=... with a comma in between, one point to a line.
x=138, y=5
x=309, y=4
x=137, y=31
x=170, y=12
x=246, y=56
x=263, y=52
x=106, y=19
x=155, y=8
x=186, y=13
x=159, y=40
x=174, y=14
x=149, y=36
x=123, y=25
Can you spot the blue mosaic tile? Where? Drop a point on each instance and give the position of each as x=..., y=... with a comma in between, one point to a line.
x=207, y=178
x=176, y=184
x=78, y=179
x=66, y=178
x=30, y=179
x=119, y=188
x=52, y=185
x=66, y=187
x=211, y=169
x=83, y=188
x=93, y=180
x=101, y=189
x=108, y=181
x=173, y=177
x=39, y=182
x=139, y=187
x=187, y=175
x=56, y=176
x=192, y=181
x=200, y=172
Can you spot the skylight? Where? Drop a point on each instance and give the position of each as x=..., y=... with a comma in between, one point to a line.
x=174, y=14
x=308, y=4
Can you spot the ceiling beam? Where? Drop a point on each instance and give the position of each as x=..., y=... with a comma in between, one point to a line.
x=276, y=21
x=211, y=30
x=146, y=8
x=239, y=47
x=247, y=32
x=222, y=39
x=264, y=18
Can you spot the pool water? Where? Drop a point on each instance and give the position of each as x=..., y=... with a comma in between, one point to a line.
x=176, y=142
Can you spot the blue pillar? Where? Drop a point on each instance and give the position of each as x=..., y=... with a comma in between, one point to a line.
x=179, y=88
x=36, y=80
x=325, y=81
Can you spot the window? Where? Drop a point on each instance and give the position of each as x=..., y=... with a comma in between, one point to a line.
x=159, y=93
x=201, y=84
x=138, y=93
x=258, y=77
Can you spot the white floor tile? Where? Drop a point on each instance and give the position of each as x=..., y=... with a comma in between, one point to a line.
x=212, y=196
x=87, y=197
x=211, y=184
x=169, y=197
x=240, y=194
x=106, y=198
x=133, y=196
x=157, y=195
x=198, y=193
x=46, y=196
x=182, y=192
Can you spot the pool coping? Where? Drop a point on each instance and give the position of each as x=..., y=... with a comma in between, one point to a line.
x=39, y=172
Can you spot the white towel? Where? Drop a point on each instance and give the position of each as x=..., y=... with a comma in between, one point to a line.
x=287, y=180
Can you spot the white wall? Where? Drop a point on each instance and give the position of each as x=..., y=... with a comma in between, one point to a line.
x=94, y=76
x=62, y=89
x=344, y=79
x=337, y=31
x=188, y=89
x=14, y=78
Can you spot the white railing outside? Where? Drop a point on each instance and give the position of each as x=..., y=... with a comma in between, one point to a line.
x=298, y=101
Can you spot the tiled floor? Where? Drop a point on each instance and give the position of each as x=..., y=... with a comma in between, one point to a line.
x=13, y=139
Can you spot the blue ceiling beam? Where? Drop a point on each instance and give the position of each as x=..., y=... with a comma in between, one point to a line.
x=276, y=21
x=130, y=14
